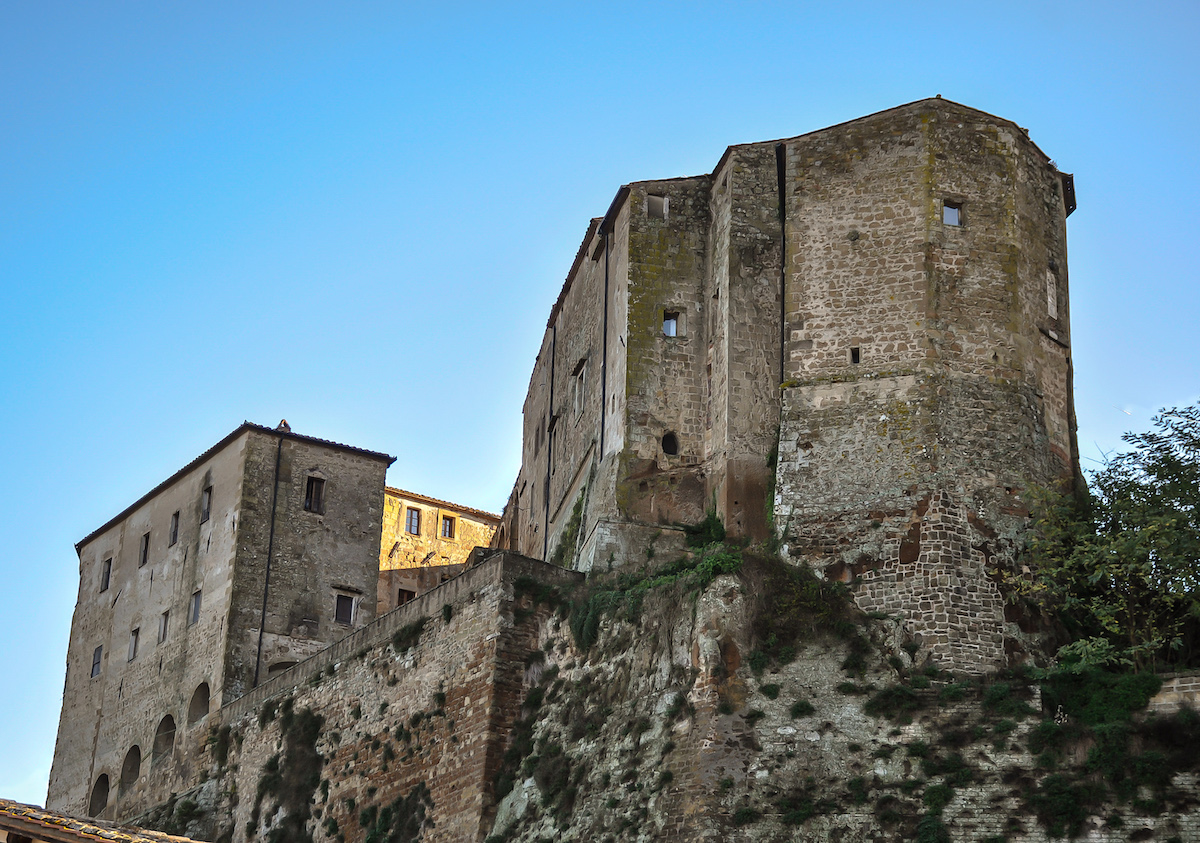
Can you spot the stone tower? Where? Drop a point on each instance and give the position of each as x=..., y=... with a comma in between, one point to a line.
x=857, y=338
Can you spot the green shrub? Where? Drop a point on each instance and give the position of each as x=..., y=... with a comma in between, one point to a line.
x=801, y=708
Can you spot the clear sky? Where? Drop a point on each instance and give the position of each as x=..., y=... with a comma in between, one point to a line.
x=356, y=216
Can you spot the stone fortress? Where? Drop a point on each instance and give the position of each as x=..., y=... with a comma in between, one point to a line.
x=854, y=343
x=857, y=338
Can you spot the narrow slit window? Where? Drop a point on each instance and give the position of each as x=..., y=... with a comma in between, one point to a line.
x=314, y=495
x=952, y=213
x=133, y=643
x=164, y=623
x=855, y=355
x=106, y=574
x=194, y=609
x=173, y=536
x=205, y=504
x=97, y=654
x=144, y=553
x=1051, y=294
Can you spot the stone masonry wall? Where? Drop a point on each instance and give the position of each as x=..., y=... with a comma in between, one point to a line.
x=402, y=712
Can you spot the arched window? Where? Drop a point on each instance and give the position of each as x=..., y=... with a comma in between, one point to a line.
x=198, y=708
x=130, y=770
x=164, y=739
x=99, y=800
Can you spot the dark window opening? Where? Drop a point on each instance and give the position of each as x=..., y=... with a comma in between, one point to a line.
x=343, y=611
x=198, y=707
x=144, y=554
x=99, y=800
x=412, y=522
x=164, y=740
x=173, y=535
x=194, y=611
x=670, y=444
x=133, y=643
x=97, y=654
x=855, y=355
x=314, y=496
x=656, y=206
x=106, y=574
x=404, y=595
x=130, y=770
x=447, y=527
x=205, y=504
x=952, y=213
x=163, y=623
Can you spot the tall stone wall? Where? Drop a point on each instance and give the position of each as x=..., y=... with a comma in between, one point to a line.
x=315, y=554
x=417, y=705
x=109, y=721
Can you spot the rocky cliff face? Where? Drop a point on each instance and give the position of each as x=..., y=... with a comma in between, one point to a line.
x=722, y=695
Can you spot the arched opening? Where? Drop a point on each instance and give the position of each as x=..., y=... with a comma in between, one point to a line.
x=130, y=770
x=670, y=444
x=198, y=707
x=278, y=668
x=164, y=739
x=99, y=800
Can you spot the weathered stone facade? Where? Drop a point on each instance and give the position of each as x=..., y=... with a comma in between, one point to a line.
x=856, y=341
x=173, y=593
x=425, y=542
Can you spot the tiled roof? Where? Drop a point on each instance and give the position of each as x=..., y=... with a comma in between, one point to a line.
x=486, y=516
x=238, y=431
x=40, y=824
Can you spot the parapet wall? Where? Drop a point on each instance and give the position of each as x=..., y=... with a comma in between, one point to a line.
x=419, y=704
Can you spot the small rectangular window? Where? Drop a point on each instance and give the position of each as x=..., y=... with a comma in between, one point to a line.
x=447, y=527
x=96, y=656
x=656, y=206
x=343, y=611
x=1051, y=294
x=174, y=534
x=671, y=323
x=855, y=355
x=579, y=387
x=164, y=623
x=144, y=554
x=952, y=213
x=105, y=574
x=403, y=595
x=205, y=504
x=194, y=610
x=412, y=522
x=133, y=642
x=314, y=495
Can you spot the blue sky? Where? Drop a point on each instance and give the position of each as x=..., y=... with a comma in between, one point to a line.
x=357, y=215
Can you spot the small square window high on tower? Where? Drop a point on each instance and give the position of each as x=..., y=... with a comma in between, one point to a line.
x=952, y=213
